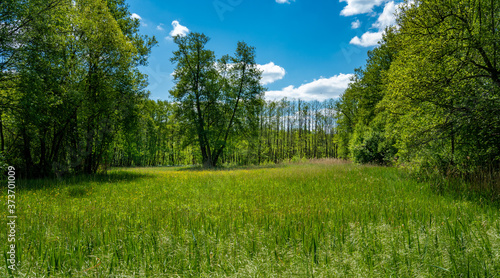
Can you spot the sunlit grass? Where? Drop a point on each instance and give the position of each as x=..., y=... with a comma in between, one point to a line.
x=310, y=219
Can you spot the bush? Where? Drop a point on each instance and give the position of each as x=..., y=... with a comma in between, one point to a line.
x=369, y=145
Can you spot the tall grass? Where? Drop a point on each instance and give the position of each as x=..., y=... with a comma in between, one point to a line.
x=311, y=219
x=481, y=183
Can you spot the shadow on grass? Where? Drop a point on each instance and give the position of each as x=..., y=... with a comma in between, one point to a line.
x=483, y=194
x=77, y=180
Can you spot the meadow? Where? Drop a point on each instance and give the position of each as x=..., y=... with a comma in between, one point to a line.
x=316, y=219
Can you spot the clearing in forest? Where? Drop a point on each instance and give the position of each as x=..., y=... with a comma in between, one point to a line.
x=323, y=218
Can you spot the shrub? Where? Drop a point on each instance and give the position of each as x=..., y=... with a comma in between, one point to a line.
x=369, y=145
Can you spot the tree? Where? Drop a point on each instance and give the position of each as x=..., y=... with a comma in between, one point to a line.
x=17, y=19
x=217, y=99
x=361, y=122
x=444, y=84
x=72, y=81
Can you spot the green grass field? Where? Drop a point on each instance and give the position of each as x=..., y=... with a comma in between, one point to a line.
x=317, y=219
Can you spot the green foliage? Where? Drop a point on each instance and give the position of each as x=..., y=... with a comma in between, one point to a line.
x=3, y=164
x=72, y=82
x=280, y=131
x=361, y=124
x=216, y=100
x=434, y=81
x=73, y=101
x=371, y=145
x=156, y=138
x=444, y=84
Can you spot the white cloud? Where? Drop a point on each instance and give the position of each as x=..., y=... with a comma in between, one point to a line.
x=355, y=7
x=284, y=1
x=355, y=24
x=136, y=16
x=160, y=27
x=367, y=39
x=178, y=29
x=385, y=19
x=271, y=73
x=388, y=16
x=321, y=89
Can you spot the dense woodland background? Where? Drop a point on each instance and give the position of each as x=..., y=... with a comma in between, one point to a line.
x=72, y=99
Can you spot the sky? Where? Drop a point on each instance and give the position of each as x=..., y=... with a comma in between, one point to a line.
x=307, y=49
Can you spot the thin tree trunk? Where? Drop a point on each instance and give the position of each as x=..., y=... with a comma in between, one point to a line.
x=2, y=140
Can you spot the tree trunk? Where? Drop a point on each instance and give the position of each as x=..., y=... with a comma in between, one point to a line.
x=28, y=161
x=2, y=140
x=89, y=151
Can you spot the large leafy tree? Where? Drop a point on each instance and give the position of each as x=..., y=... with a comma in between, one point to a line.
x=73, y=81
x=361, y=124
x=430, y=90
x=17, y=21
x=444, y=84
x=43, y=89
x=109, y=79
x=217, y=99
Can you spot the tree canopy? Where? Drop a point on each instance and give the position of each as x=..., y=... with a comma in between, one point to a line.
x=74, y=101
x=217, y=99
x=69, y=73
x=430, y=90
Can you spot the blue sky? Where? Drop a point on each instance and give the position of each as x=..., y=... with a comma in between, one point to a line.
x=307, y=49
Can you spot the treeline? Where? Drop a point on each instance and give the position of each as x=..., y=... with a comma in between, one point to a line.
x=429, y=94
x=285, y=130
x=69, y=82
x=73, y=100
x=218, y=116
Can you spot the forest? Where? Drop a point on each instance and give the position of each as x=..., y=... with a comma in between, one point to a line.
x=429, y=94
x=399, y=176
x=74, y=101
